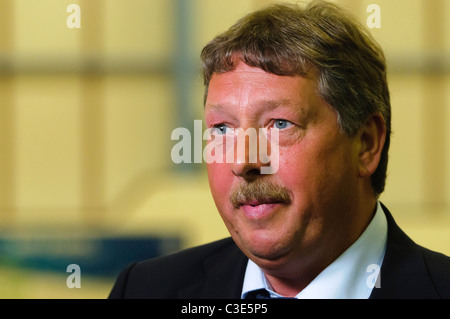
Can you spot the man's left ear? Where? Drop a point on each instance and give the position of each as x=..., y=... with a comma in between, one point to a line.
x=372, y=137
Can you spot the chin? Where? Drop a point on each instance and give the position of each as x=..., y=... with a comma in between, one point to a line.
x=263, y=246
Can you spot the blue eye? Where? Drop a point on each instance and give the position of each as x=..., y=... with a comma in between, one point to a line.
x=220, y=129
x=281, y=124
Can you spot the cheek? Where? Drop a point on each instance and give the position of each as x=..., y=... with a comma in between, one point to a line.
x=304, y=169
x=318, y=170
x=292, y=166
x=220, y=181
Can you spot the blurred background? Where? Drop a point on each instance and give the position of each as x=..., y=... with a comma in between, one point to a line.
x=86, y=116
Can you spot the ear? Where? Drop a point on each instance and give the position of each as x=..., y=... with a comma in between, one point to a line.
x=372, y=137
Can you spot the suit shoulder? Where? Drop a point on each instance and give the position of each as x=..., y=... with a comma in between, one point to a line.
x=188, y=257
x=439, y=268
x=163, y=274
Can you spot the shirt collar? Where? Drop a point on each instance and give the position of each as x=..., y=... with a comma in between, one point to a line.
x=348, y=277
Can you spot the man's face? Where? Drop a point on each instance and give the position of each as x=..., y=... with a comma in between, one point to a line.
x=317, y=169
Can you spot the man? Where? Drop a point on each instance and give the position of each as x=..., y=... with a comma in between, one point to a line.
x=314, y=228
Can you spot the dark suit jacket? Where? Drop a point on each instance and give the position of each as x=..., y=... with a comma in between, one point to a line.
x=216, y=270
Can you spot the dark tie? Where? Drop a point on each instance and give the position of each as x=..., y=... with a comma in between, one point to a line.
x=258, y=294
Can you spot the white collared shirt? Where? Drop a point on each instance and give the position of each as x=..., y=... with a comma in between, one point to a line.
x=351, y=276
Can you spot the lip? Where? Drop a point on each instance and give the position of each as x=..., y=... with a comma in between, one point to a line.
x=255, y=210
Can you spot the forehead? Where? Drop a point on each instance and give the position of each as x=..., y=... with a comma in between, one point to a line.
x=245, y=75
x=250, y=86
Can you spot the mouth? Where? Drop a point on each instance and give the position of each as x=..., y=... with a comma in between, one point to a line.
x=256, y=202
x=259, y=209
x=259, y=199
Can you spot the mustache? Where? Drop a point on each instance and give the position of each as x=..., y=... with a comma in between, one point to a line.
x=261, y=191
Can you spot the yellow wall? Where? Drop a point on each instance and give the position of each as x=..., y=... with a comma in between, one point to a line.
x=93, y=149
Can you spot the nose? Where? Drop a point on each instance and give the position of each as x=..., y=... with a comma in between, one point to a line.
x=247, y=162
x=247, y=171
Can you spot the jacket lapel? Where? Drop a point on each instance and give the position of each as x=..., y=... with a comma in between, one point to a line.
x=404, y=273
x=222, y=276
